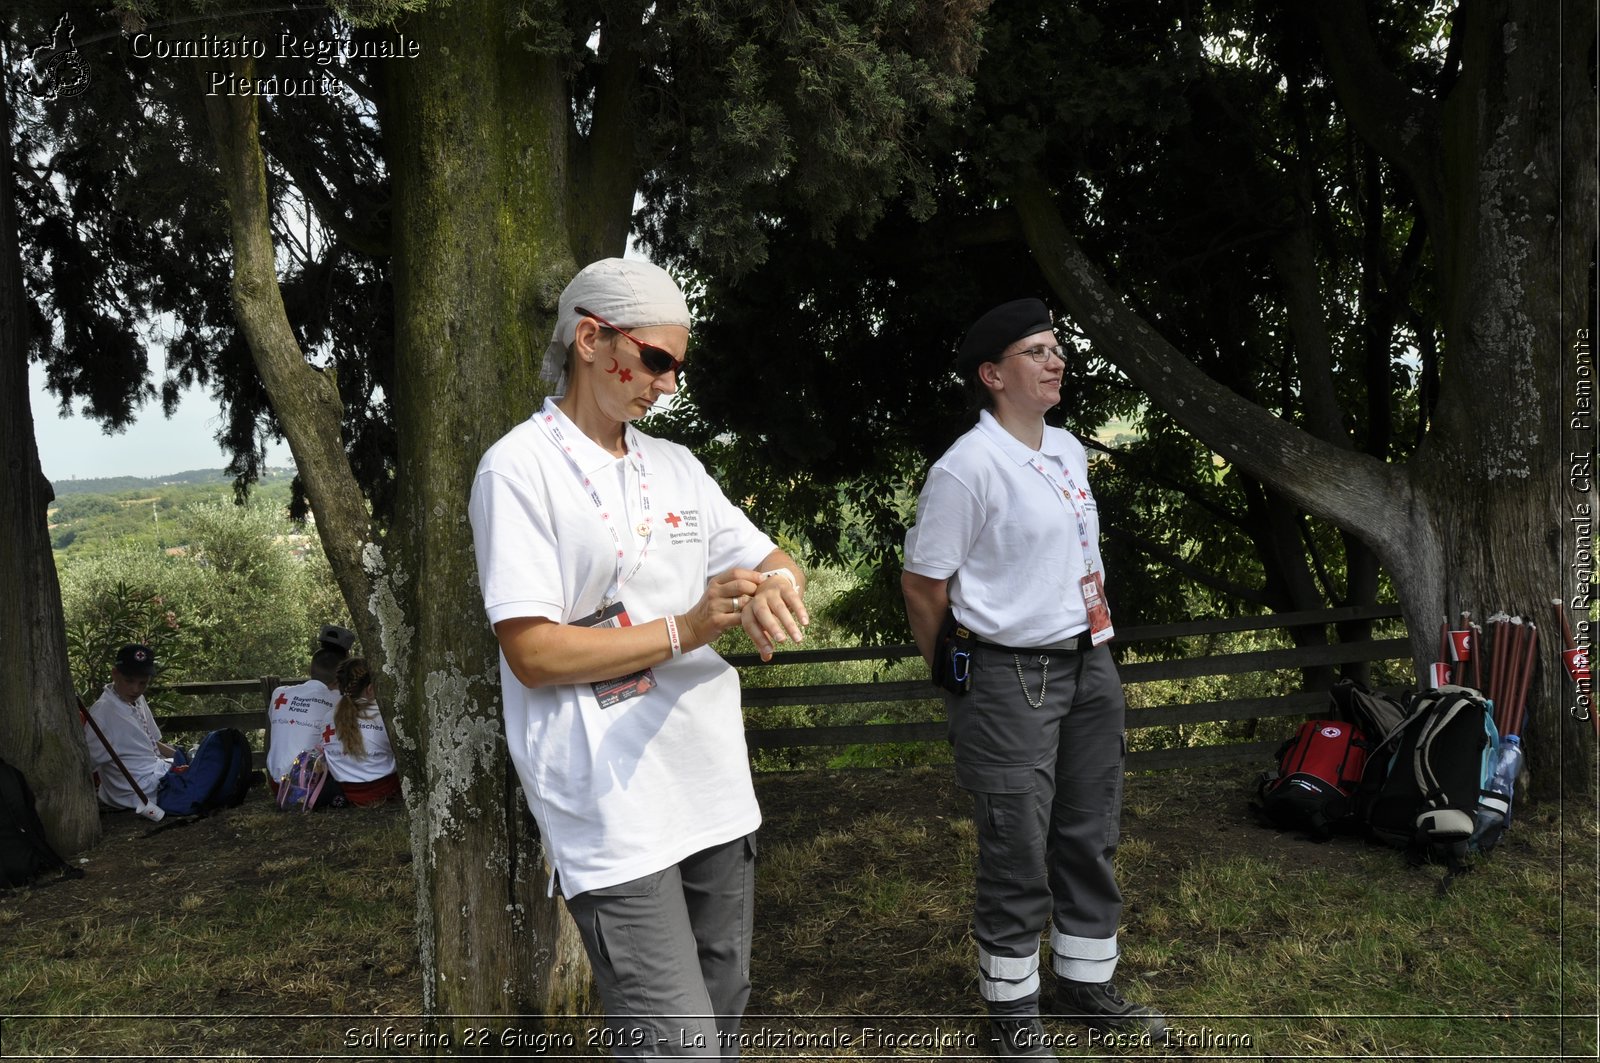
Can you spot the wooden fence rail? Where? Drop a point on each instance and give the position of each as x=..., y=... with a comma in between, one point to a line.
x=1318, y=653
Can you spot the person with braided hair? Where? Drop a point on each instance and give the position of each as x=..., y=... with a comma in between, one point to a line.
x=359, y=754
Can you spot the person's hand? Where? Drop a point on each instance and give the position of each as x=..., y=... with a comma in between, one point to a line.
x=719, y=608
x=775, y=613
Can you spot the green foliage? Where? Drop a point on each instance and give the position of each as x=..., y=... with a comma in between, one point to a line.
x=1195, y=153
x=109, y=615
x=154, y=514
x=237, y=602
x=812, y=109
x=110, y=485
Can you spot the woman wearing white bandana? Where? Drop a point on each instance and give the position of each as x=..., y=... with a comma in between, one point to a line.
x=609, y=561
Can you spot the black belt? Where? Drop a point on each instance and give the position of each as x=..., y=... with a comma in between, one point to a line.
x=1082, y=642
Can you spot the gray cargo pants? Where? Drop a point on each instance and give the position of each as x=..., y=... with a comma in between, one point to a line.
x=1047, y=800
x=671, y=954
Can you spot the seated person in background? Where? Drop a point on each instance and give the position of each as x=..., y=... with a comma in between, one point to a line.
x=300, y=717
x=167, y=775
x=360, y=757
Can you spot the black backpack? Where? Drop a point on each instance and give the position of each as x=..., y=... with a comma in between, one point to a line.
x=1422, y=784
x=24, y=852
x=1375, y=714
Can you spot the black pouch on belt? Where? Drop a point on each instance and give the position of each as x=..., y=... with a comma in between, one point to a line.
x=952, y=657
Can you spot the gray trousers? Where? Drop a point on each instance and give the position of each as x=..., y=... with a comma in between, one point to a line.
x=1047, y=802
x=671, y=954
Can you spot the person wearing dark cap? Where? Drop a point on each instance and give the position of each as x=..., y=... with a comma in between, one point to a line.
x=300, y=715
x=1004, y=591
x=166, y=774
x=336, y=638
x=609, y=561
x=124, y=717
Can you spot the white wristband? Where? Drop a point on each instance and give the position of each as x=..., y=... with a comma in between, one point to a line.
x=785, y=573
x=672, y=636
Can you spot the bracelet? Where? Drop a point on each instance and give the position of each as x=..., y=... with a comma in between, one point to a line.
x=672, y=636
x=785, y=573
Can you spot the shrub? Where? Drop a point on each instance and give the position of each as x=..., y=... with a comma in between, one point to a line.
x=235, y=603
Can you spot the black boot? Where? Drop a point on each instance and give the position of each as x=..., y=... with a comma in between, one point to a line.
x=1019, y=1037
x=1100, y=1006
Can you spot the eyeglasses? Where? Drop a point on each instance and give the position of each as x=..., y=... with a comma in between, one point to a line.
x=1040, y=355
x=658, y=361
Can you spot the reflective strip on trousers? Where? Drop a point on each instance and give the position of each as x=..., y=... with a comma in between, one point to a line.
x=1007, y=977
x=1083, y=959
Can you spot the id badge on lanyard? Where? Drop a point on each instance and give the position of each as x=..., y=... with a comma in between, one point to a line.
x=613, y=692
x=1094, y=603
x=1092, y=584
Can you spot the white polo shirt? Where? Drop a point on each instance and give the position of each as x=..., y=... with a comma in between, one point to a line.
x=1006, y=536
x=131, y=730
x=299, y=717
x=379, y=758
x=625, y=791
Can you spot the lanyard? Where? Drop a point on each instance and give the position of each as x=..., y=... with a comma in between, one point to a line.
x=646, y=526
x=1074, y=498
x=140, y=711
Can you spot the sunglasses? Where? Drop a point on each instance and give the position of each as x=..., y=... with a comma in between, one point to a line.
x=658, y=361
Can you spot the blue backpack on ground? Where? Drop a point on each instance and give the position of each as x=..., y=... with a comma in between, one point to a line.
x=1425, y=778
x=218, y=775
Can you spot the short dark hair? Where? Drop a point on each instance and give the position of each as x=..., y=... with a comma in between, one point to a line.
x=326, y=660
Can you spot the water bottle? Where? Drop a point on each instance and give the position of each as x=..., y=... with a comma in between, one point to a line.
x=1494, y=807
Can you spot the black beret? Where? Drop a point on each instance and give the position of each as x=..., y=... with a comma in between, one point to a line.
x=999, y=329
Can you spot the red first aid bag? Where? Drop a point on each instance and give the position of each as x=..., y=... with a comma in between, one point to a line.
x=1318, y=771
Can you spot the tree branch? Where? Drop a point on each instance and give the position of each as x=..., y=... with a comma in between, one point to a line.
x=1296, y=265
x=606, y=162
x=372, y=241
x=1403, y=126
x=305, y=399
x=1354, y=491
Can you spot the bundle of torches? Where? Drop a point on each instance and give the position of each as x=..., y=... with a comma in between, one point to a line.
x=1513, y=643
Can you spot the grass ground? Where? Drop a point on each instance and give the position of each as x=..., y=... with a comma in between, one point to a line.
x=266, y=936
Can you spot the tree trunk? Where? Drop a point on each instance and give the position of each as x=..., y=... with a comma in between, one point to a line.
x=305, y=399
x=1519, y=176
x=476, y=135
x=1483, y=515
x=1495, y=497
x=39, y=728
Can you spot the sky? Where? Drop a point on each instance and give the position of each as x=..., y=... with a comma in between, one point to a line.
x=76, y=447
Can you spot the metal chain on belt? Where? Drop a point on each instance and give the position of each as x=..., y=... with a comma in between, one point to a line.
x=1044, y=678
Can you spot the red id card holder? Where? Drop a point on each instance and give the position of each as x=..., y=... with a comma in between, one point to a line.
x=1094, y=603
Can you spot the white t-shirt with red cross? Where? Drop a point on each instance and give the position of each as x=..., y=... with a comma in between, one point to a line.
x=379, y=758
x=299, y=717
x=624, y=791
